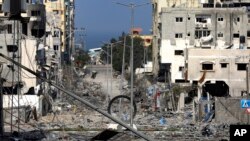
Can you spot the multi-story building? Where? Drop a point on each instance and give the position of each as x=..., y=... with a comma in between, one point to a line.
x=22, y=38
x=26, y=32
x=213, y=27
x=61, y=14
x=157, y=5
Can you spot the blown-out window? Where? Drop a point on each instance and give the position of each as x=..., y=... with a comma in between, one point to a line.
x=207, y=66
x=223, y=65
x=241, y=67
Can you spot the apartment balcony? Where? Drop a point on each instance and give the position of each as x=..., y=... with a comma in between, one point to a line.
x=204, y=42
x=200, y=25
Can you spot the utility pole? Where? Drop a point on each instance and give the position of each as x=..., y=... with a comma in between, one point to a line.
x=111, y=71
x=247, y=79
x=1, y=104
x=132, y=7
x=247, y=82
x=123, y=63
x=107, y=96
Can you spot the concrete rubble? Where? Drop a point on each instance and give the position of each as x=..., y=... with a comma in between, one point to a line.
x=71, y=120
x=179, y=126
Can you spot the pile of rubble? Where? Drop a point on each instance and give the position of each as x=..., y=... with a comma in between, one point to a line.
x=180, y=126
x=75, y=121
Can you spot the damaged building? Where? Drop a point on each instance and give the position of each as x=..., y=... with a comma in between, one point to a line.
x=206, y=44
x=22, y=34
x=24, y=39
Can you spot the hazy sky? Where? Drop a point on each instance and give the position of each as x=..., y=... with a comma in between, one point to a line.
x=103, y=19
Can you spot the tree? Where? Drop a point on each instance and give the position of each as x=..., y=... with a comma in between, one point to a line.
x=118, y=52
x=82, y=58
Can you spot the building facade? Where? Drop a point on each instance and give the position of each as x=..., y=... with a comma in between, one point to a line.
x=210, y=27
x=157, y=5
x=221, y=72
x=26, y=31
x=61, y=16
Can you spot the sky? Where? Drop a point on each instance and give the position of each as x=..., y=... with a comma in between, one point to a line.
x=104, y=19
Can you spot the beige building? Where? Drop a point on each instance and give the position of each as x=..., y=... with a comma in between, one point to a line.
x=63, y=12
x=147, y=39
x=220, y=72
x=57, y=10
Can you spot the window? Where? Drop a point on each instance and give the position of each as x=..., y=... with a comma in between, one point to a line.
x=47, y=33
x=148, y=40
x=203, y=18
x=248, y=18
x=56, y=11
x=241, y=67
x=178, y=52
x=236, y=35
x=56, y=47
x=178, y=35
x=223, y=65
x=56, y=33
x=201, y=33
x=189, y=18
x=248, y=33
x=181, y=68
x=179, y=19
x=220, y=34
x=207, y=66
x=25, y=28
x=188, y=34
x=220, y=19
x=238, y=19
x=9, y=28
